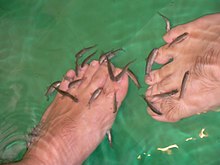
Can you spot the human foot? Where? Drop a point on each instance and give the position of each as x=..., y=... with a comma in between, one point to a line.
x=199, y=54
x=73, y=130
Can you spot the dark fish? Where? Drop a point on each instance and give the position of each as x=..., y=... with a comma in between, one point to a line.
x=78, y=55
x=124, y=70
x=109, y=136
x=110, y=71
x=152, y=107
x=166, y=20
x=114, y=52
x=95, y=95
x=64, y=93
x=166, y=94
x=84, y=50
x=51, y=88
x=77, y=67
x=183, y=85
x=103, y=56
x=150, y=60
x=74, y=83
x=179, y=39
x=87, y=59
x=109, y=54
x=115, y=105
x=133, y=78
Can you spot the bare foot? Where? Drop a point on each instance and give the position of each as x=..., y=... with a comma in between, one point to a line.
x=70, y=131
x=199, y=54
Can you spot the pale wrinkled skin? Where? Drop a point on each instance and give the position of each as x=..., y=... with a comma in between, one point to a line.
x=71, y=131
x=199, y=54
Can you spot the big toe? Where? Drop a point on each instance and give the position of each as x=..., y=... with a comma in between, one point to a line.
x=175, y=32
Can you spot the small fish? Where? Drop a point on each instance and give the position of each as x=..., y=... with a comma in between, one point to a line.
x=115, y=103
x=74, y=83
x=109, y=136
x=166, y=20
x=114, y=52
x=124, y=70
x=179, y=39
x=84, y=50
x=51, y=88
x=64, y=93
x=110, y=71
x=77, y=67
x=103, y=56
x=95, y=95
x=152, y=107
x=78, y=55
x=133, y=78
x=109, y=54
x=150, y=60
x=87, y=59
x=183, y=85
x=166, y=94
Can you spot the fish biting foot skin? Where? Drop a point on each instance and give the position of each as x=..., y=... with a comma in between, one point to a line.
x=183, y=85
x=124, y=70
x=110, y=54
x=84, y=50
x=133, y=77
x=115, y=103
x=78, y=55
x=166, y=94
x=179, y=39
x=109, y=136
x=110, y=71
x=87, y=59
x=152, y=107
x=150, y=60
x=74, y=83
x=64, y=93
x=95, y=95
x=51, y=88
x=121, y=74
x=168, y=27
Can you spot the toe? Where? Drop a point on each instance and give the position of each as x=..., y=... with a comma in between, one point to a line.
x=170, y=83
x=165, y=54
x=120, y=87
x=158, y=75
x=97, y=80
x=69, y=76
x=89, y=72
x=175, y=32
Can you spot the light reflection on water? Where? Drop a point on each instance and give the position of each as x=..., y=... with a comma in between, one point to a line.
x=37, y=33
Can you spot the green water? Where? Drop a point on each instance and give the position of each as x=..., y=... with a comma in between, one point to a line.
x=38, y=39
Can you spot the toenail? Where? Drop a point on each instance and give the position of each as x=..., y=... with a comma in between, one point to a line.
x=67, y=78
x=94, y=63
